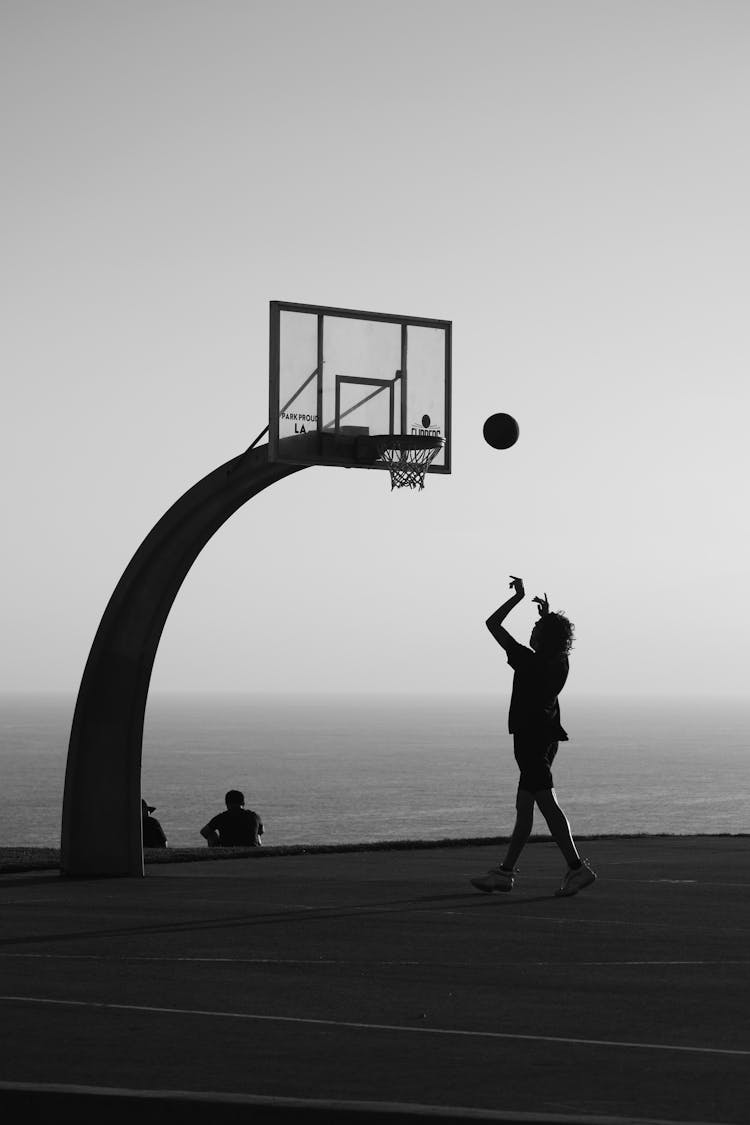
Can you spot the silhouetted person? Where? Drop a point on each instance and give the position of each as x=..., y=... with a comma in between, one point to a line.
x=238, y=827
x=153, y=833
x=540, y=673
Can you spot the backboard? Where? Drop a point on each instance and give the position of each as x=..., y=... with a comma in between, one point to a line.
x=340, y=377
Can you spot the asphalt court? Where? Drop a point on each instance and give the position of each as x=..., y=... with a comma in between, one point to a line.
x=384, y=977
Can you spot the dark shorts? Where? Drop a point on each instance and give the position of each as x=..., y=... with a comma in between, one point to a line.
x=534, y=757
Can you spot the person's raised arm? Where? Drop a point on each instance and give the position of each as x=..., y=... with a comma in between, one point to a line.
x=495, y=620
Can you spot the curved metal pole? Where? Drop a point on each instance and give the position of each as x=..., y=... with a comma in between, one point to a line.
x=101, y=821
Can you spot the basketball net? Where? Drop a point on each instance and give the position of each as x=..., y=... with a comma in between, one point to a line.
x=408, y=458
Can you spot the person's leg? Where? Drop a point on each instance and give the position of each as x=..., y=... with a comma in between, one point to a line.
x=521, y=829
x=558, y=825
x=502, y=878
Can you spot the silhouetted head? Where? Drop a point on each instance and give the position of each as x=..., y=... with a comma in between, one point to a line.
x=234, y=799
x=552, y=635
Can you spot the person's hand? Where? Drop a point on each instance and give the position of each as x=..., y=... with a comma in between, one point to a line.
x=516, y=584
x=543, y=606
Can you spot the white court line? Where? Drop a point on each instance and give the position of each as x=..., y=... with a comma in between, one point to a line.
x=138, y=957
x=374, y=1026
x=696, y=882
x=263, y=1102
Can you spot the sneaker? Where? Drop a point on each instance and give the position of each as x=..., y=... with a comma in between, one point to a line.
x=496, y=879
x=575, y=879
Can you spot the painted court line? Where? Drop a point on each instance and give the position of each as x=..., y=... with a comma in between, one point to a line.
x=711, y=883
x=427, y=1112
x=358, y=1026
x=146, y=957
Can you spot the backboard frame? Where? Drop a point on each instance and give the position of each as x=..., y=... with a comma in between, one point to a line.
x=320, y=449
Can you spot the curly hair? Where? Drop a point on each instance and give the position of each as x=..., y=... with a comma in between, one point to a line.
x=556, y=633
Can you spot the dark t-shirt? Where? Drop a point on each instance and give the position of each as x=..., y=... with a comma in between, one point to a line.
x=237, y=828
x=537, y=682
x=153, y=833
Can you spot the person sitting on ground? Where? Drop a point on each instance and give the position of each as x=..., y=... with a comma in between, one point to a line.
x=238, y=827
x=153, y=833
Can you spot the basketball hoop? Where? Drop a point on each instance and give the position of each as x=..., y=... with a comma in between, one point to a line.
x=408, y=457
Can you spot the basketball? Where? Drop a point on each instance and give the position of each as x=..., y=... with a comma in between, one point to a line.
x=500, y=431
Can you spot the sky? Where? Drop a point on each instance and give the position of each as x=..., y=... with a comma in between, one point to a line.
x=567, y=182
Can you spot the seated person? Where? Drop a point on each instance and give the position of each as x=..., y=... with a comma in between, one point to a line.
x=153, y=833
x=238, y=827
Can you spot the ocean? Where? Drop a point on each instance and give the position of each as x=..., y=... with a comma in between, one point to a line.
x=346, y=770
